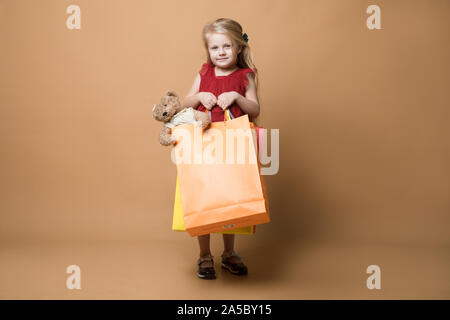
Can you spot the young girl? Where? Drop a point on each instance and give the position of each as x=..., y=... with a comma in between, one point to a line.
x=227, y=80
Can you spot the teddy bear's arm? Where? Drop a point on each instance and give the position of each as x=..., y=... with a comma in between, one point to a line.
x=165, y=137
x=203, y=117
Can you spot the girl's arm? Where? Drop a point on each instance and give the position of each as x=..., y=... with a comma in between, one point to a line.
x=249, y=104
x=192, y=100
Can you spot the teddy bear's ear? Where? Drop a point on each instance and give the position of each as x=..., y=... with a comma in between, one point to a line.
x=171, y=93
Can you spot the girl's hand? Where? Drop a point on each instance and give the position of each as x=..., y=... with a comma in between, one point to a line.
x=207, y=99
x=226, y=99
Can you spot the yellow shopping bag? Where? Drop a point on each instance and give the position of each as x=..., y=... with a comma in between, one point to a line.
x=178, y=217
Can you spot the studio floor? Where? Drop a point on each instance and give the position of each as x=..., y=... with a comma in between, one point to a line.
x=161, y=269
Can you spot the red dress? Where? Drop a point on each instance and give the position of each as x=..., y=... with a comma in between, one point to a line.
x=235, y=81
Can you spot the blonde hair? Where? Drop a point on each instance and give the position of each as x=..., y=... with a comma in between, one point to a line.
x=233, y=30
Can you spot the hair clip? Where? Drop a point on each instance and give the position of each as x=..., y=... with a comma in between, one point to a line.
x=245, y=36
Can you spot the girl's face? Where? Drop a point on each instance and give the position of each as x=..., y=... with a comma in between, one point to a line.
x=221, y=51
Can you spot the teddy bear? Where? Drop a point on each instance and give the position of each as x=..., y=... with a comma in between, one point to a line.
x=170, y=111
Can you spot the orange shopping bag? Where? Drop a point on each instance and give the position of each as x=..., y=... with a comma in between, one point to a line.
x=220, y=183
x=178, y=217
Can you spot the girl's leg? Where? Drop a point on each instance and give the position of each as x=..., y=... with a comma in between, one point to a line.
x=230, y=262
x=228, y=242
x=203, y=242
x=228, y=247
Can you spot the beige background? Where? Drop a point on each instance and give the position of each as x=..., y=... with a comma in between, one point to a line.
x=364, y=149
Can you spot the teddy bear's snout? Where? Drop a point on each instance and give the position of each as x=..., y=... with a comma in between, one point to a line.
x=164, y=113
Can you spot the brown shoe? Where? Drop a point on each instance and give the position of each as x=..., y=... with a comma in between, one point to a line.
x=236, y=268
x=206, y=272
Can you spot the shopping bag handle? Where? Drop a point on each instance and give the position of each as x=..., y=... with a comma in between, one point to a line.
x=226, y=112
